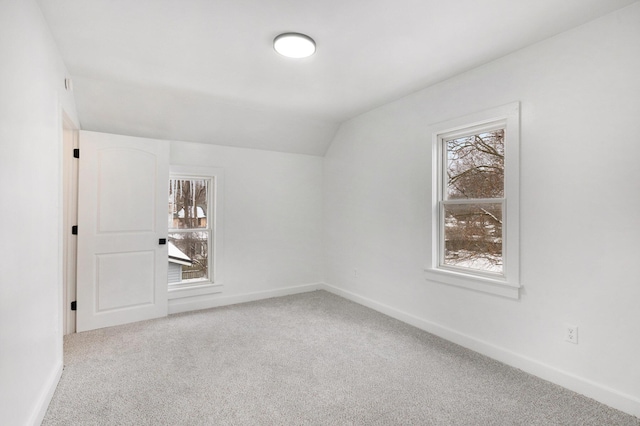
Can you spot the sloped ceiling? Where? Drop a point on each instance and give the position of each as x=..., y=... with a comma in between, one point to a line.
x=205, y=70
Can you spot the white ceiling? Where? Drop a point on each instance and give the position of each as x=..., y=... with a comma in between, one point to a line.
x=205, y=70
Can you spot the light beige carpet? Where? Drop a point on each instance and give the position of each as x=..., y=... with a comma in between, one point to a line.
x=309, y=359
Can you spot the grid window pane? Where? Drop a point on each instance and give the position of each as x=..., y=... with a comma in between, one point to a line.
x=475, y=166
x=188, y=201
x=473, y=236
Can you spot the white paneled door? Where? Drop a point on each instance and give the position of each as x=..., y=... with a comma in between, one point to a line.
x=122, y=217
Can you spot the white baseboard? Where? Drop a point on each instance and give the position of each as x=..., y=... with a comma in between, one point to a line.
x=45, y=397
x=604, y=394
x=195, y=303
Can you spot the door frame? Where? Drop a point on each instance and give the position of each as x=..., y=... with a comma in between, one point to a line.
x=70, y=134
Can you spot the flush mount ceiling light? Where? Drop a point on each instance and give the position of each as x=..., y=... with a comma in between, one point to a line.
x=294, y=45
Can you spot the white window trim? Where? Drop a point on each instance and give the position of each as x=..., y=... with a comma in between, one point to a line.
x=214, y=283
x=506, y=284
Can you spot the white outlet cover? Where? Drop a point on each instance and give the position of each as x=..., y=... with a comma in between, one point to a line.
x=571, y=333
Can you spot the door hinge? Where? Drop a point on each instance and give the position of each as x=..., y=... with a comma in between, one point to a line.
x=74, y=305
x=74, y=230
x=76, y=152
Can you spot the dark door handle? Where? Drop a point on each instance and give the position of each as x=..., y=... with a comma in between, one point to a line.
x=162, y=241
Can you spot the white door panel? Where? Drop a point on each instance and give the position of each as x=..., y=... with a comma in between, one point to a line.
x=122, y=214
x=138, y=168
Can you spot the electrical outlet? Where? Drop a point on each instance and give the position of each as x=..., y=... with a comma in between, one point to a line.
x=355, y=273
x=571, y=333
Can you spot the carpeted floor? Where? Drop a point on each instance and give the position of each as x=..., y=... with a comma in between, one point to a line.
x=308, y=359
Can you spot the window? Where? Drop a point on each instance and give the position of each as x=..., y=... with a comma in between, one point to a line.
x=194, y=227
x=475, y=202
x=189, y=229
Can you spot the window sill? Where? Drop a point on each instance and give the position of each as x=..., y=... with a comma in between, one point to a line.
x=178, y=291
x=482, y=284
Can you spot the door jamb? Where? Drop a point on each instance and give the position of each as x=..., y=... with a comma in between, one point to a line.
x=70, y=218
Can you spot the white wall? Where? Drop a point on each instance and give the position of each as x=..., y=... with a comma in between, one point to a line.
x=580, y=198
x=272, y=220
x=32, y=97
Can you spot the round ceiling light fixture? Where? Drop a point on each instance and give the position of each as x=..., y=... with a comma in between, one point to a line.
x=294, y=45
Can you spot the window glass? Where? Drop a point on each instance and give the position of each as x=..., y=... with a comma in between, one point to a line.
x=188, y=203
x=472, y=231
x=475, y=166
x=473, y=236
x=195, y=246
x=190, y=228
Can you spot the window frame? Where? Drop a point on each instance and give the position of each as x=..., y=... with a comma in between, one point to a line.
x=213, y=284
x=507, y=283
